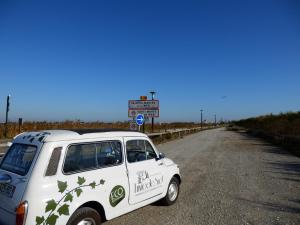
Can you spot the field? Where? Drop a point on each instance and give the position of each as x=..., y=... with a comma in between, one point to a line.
x=13, y=128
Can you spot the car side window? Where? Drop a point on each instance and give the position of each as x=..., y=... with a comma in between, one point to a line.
x=139, y=150
x=150, y=153
x=109, y=153
x=80, y=157
x=92, y=156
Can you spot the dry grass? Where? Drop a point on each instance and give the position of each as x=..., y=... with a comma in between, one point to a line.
x=282, y=129
x=13, y=128
x=287, y=124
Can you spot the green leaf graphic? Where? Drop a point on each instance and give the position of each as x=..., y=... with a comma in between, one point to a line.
x=68, y=197
x=54, y=209
x=102, y=181
x=39, y=220
x=52, y=219
x=81, y=180
x=78, y=191
x=63, y=210
x=93, y=185
x=51, y=205
x=62, y=186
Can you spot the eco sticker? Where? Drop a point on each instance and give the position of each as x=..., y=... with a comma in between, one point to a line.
x=55, y=209
x=117, y=194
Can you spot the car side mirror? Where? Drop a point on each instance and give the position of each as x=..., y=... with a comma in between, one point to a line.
x=160, y=156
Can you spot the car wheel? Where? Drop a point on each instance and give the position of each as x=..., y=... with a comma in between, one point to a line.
x=172, y=193
x=85, y=216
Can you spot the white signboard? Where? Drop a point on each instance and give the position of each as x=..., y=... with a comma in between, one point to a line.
x=143, y=104
x=148, y=108
x=146, y=113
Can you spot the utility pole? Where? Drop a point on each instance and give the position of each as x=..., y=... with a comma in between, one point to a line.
x=152, y=119
x=201, y=118
x=215, y=120
x=20, y=124
x=6, y=117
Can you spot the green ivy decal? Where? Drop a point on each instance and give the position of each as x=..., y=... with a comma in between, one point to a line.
x=51, y=205
x=61, y=207
x=62, y=186
x=39, y=220
x=81, y=180
x=69, y=198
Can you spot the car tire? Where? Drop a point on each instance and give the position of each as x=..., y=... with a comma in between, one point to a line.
x=172, y=192
x=85, y=215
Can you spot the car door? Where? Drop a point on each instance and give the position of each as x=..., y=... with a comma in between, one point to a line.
x=144, y=170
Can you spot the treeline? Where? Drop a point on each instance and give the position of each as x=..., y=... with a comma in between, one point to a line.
x=14, y=129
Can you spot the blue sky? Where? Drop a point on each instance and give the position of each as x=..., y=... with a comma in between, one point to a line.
x=85, y=59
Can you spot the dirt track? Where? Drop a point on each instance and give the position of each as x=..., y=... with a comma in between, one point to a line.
x=228, y=178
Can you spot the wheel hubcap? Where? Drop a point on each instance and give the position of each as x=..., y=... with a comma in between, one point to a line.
x=87, y=221
x=173, y=191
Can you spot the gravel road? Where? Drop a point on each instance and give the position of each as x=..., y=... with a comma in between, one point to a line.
x=228, y=178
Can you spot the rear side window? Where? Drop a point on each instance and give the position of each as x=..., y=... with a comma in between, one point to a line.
x=80, y=157
x=19, y=158
x=92, y=156
x=53, y=162
x=109, y=153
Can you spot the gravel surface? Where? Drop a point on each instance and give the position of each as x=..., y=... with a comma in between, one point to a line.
x=228, y=178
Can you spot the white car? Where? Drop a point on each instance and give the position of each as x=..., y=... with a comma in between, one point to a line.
x=82, y=177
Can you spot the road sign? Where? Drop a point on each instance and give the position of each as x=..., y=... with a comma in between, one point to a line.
x=146, y=113
x=143, y=104
x=148, y=108
x=139, y=119
x=133, y=125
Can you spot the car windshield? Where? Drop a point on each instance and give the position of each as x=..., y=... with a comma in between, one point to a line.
x=18, y=158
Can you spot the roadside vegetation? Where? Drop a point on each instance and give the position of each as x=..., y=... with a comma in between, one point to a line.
x=283, y=129
x=287, y=124
x=13, y=128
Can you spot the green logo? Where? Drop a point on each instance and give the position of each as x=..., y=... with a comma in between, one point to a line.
x=117, y=194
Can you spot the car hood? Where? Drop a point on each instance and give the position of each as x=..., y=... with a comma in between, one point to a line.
x=168, y=162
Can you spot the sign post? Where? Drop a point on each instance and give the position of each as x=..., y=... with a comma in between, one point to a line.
x=20, y=124
x=152, y=119
x=6, y=117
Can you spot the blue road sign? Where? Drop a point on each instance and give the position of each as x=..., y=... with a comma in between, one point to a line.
x=140, y=119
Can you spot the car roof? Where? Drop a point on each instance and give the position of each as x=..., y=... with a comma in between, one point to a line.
x=74, y=134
